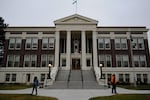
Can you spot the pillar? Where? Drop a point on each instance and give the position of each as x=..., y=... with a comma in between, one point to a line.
x=83, y=50
x=68, y=49
x=57, y=49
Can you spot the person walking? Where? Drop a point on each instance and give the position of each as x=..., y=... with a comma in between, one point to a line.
x=113, y=82
x=35, y=85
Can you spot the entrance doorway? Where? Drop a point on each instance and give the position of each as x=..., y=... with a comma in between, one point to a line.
x=76, y=64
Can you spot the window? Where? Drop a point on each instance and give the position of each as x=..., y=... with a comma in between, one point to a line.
x=30, y=60
x=139, y=60
x=10, y=60
x=51, y=43
x=139, y=78
x=138, y=43
x=104, y=43
x=28, y=43
x=121, y=43
x=63, y=62
x=127, y=78
x=122, y=60
x=13, y=78
x=33, y=60
x=105, y=60
x=7, y=79
x=44, y=61
x=142, y=61
x=27, y=60
x=48, y=43
x=11, y=43
x=42, y=77
x=108, y=77
x=125, y=61
x=88, y=62
x=145, y=78
x=45, y=43
x=121, y=78
x=34, y=43
x=31, y=43
x=13, y=60
x=47, y=59
x=100, y=43
x=15, y=43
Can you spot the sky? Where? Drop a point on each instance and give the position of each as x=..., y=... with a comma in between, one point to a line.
x=107, y=12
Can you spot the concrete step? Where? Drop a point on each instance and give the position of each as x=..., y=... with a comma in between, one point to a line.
x=88, y=75
x=92, y=85
x=62, y=75
x=58, y=85
x=75, y=85
x=75, y=75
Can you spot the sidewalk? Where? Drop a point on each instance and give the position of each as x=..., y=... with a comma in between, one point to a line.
x=75, y=94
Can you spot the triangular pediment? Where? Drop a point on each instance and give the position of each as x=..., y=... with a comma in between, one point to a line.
x=76, y=19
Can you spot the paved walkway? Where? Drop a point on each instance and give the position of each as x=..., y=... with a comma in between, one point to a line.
x=75, y=94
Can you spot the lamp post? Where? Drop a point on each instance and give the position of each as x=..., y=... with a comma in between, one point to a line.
x=49, y=75
x=101, y=65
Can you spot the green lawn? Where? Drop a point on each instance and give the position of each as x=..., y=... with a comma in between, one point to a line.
x=24, y=97
x=13, y=86
x=124, y=97
x=138, y=87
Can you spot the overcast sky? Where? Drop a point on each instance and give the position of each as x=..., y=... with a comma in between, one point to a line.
x=107, y=12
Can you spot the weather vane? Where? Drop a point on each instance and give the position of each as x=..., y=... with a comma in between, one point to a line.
x=75, y=2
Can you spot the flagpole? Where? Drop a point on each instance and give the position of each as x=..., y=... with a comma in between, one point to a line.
x=76, y=6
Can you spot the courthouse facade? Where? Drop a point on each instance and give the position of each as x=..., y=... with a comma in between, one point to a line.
x=76, y=43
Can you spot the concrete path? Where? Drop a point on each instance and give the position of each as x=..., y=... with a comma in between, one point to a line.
x=75, y=94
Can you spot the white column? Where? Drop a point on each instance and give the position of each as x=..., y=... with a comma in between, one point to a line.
x=57, y=49
x=94, y=49
x=68, y=49
x=95, y=64
x=83, y=50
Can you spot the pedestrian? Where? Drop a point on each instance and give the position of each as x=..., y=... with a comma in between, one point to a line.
x=35, y=85
x=113, y=82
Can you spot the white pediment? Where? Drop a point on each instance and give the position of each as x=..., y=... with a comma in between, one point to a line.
x=76, y=19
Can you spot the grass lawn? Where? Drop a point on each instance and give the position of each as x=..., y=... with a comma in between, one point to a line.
x=24, y=97
x=138, y=87
x=13, y=86
x=124, y=97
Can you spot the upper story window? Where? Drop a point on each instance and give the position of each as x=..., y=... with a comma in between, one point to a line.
x=104, y=43
x=30, y=60
x=13, y=60
x=105, y=60
x=138, y=43
x=121, y=43
x=139, y=60
x=31, y=43
x=47, y=59
x=122, y=60
x=48, y=43
x=15, y=43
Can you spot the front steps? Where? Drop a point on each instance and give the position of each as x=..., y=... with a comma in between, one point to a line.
x=76, y=79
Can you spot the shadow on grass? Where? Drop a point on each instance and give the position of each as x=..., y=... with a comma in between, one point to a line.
x=138, y=87
x=14, y=86
x=124, y=97
x=24, y=97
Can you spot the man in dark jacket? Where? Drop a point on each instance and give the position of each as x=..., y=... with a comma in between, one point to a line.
x=35, y=85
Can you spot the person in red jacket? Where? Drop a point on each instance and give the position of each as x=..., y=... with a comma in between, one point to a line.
x=113, y=82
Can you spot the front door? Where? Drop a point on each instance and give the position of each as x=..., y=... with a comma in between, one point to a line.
x=75, y=64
